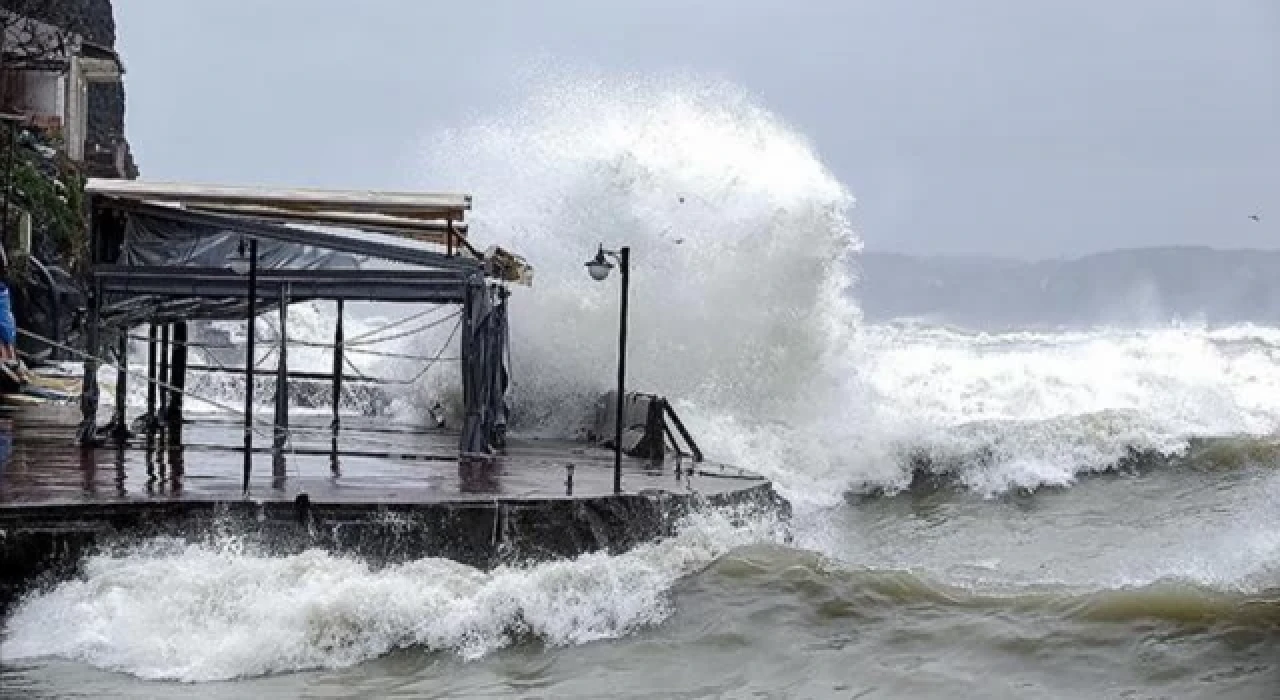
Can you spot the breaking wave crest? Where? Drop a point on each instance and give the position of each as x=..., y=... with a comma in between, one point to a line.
x=996, y=412
x=223, y=609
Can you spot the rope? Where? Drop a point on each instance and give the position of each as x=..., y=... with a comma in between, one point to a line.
x=363, y=351
x=165, y=385
x=407, y=319
x=426, y=366
x=402, y=334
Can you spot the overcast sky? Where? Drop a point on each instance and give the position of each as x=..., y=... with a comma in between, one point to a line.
x=1029, y=128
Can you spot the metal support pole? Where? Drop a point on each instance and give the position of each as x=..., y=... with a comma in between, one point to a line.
x=338, y=341
x=164, y=371
x=177, y=375
x=281, y=432
x=152, y=416
x=248, y=362
x=87, y=433
x=120, y=422
x=624, y=267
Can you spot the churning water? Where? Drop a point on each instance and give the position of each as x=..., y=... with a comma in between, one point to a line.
x=1017, y=514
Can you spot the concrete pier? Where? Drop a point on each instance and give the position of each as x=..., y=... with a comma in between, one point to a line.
x=387, y=493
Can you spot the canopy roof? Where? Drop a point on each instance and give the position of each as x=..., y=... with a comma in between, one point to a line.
x=161, y=251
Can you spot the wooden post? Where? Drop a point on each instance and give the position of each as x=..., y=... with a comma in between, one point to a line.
x=177, y=375
x=338, y=341
x=281, y=431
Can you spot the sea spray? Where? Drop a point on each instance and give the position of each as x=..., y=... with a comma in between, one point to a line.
x=744, y=308
x=741, y=245
x=744, y=311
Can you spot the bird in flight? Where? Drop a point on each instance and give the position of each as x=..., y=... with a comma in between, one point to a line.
x=1255, y=217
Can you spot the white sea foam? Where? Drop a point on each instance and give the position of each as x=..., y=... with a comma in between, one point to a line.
x=200, y=612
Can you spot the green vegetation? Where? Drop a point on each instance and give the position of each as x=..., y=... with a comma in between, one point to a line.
x=52, y=190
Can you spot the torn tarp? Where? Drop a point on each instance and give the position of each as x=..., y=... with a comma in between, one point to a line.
x=484, y=371
x=172, y=241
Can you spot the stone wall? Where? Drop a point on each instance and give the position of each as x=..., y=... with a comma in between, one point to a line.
x=93, y=20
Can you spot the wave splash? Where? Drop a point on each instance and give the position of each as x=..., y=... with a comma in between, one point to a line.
x=1021, y=410
x=741, y=248
x=744, y=313
x=220, y=610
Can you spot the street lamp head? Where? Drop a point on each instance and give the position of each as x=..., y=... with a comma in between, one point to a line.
x=598, y=267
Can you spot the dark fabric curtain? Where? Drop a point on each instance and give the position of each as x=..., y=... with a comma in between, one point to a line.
x=484, y=372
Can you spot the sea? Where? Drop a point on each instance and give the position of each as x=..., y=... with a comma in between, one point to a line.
x=1025, y=513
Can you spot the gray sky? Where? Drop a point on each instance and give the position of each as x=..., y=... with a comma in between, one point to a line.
x=1028, y=128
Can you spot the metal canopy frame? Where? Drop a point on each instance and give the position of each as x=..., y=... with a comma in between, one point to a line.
x=412, y=204
x=408, y=251
x=409, y=229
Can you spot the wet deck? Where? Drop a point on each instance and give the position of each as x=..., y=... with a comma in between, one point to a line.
x=369, y=462
x=383, y=492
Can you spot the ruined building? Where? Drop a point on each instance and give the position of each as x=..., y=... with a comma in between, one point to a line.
x=59, y=70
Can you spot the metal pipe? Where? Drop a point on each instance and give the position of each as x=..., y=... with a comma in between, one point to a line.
x=248, y=362
x=282, y=376
x=120, y=427
x=152, y=417
x=87, y=433
x=177, y=375
x=338, y=340
x=55, y=306
x=164, y=371
x=624, y=267
x=684, y=432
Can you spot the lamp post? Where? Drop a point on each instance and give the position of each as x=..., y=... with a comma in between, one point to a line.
x=599, y=267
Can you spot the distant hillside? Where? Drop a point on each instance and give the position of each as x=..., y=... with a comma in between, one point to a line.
x=1139, y=286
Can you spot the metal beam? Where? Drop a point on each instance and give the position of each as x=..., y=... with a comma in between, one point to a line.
x=438, y=205
x=426, y=286
x=383, y=223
